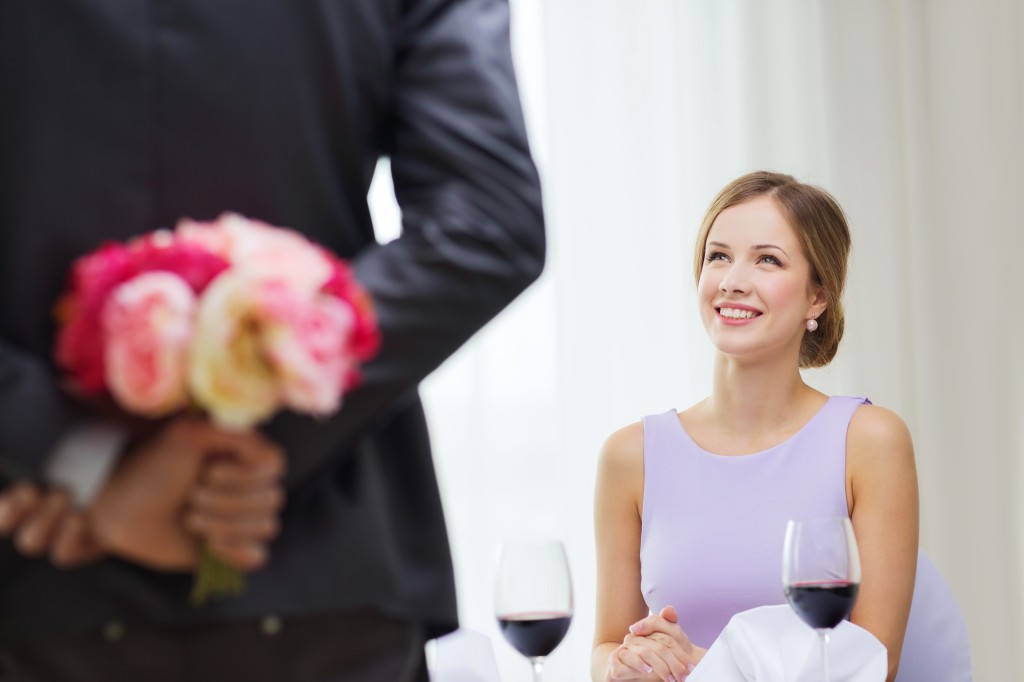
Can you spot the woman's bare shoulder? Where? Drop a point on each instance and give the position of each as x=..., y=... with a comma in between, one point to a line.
x=878, y=439
x=873, y=426
x=623, y=449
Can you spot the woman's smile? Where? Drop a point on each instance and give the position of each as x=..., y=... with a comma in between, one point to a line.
x=734, y=314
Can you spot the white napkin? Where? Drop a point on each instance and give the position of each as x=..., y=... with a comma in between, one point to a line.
x=462, y=656
x=772, y=644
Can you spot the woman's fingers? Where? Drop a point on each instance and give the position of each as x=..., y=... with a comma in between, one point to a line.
x=660, y=653
x=620, y=670
x=640, y=659
x=653, y=623
x=665, y=624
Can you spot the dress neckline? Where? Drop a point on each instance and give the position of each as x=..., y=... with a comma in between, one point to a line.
x=766, y=451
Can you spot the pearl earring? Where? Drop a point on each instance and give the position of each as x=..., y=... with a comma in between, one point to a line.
x=812, y=324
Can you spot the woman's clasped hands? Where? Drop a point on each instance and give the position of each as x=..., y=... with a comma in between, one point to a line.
x=655, y=648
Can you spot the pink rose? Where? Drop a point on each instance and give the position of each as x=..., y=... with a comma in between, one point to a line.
x=80, y=341
x=162, y=250
x=261, y=251
x=79, y=348
x=306, y=339
x=365, y=337
x=147, y=324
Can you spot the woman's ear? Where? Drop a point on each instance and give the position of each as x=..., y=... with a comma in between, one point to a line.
x=819, y=302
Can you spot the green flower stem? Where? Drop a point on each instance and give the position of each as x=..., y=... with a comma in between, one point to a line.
x=215, y=580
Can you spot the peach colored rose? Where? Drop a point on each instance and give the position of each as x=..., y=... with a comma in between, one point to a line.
x=147, y=327
x=229, y=374
x=306, y=339
x=261, y=251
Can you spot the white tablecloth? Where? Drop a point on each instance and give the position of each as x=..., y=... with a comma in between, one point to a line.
x=772, y=644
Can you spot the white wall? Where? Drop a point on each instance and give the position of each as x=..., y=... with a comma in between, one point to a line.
x=639, y=111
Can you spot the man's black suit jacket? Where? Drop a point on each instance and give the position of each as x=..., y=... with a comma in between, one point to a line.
x=119, y=117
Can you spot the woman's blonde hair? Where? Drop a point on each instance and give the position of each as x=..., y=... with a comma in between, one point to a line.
x=821, y=227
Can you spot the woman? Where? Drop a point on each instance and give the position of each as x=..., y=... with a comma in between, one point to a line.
x=690, y=508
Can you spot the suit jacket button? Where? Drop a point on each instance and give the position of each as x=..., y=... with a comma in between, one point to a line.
x=113, y=631
x=271, y=625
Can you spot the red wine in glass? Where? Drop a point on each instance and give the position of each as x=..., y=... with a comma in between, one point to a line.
x=821, y=574
x=822, y=604
x=533, y=598
x=534, y=634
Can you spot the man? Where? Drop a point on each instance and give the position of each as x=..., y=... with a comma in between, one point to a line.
x=117, y=118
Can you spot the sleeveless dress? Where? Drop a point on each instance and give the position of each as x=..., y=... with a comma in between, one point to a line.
x=713, y=526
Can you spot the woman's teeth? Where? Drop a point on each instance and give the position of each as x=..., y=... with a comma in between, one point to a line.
x=736, y=313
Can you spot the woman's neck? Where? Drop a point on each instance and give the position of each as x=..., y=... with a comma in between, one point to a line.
x=757, y=398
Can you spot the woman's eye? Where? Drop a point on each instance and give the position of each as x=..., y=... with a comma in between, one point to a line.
x=772, y=260
x=716, y=255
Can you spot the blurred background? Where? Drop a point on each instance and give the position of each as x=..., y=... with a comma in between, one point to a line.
x=639, y=111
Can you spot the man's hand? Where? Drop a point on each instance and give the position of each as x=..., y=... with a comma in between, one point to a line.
x=160, y=499
x=235, y=506
x=188, y=484
x=43, y=522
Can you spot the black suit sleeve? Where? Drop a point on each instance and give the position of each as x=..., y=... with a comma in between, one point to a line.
x=473, y=230
x=35, y=414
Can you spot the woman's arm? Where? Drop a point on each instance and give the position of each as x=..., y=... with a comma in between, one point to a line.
x=659, y=650
x=618, y=500
x=881, y=481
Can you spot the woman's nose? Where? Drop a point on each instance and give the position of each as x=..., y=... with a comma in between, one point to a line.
x=735, y=280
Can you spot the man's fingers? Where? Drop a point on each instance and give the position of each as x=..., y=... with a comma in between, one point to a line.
x=249, y=449
x=44, y=523
x=37, y=530
x=219, y=502
x=261, y=527
x=73, y=544
x=199, y=437
x=228, y=475
x=243, y=556
x=15, y=504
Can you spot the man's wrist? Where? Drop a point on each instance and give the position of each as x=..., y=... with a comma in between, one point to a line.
x=83, y=459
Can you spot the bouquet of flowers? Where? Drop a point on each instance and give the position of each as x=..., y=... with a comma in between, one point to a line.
x=237, y=318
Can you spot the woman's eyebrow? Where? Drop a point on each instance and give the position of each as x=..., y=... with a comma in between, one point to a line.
x=762, y=247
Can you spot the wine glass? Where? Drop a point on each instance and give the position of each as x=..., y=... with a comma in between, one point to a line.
x=821, y=574
x=533, y=598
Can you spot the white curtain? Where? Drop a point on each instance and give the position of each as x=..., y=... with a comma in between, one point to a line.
x=910, y=112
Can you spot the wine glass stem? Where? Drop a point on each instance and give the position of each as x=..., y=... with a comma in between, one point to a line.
x=823, y=636
x=538, y=664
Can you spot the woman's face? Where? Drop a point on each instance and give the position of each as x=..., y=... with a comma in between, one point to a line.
x=755, y=290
